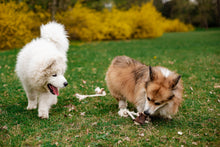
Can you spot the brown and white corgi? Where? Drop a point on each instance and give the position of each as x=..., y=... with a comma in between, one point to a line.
x=156, y=91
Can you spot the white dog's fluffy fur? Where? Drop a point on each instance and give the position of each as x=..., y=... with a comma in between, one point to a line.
x=41, y=65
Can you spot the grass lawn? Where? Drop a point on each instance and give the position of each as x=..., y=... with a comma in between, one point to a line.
x=94, y=121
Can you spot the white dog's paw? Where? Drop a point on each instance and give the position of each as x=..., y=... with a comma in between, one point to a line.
x=54, y=102
x=43, y=114
x=123, y=112
x=30, y=107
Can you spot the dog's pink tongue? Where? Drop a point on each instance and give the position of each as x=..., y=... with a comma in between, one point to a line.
x=55, y=90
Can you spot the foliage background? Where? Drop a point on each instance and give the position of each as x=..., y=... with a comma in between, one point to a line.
x=200, y=13
x=20, y=22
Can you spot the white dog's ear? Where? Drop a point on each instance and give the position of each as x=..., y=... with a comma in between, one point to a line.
x=49, y=64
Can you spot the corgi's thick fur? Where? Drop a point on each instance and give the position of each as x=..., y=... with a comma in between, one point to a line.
x=156, y=91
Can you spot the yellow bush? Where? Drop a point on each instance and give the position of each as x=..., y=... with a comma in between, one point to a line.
x=81, y=23
x=19, y=25
x=86, y=24
x=176, y=26
x=116, y=25
x=146, y=21
x=139, y=22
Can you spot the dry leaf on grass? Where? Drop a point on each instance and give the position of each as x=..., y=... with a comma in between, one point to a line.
x=217, y=85
x=127, y=139
x=194, y=143
x=82, y=113
x=142, y=134
x=4, y=128
x=70, y=107
x=180, y=133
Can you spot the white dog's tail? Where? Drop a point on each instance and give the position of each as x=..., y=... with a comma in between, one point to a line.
x=55, y=33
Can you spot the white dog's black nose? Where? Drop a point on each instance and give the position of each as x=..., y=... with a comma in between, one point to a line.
x=65, y=84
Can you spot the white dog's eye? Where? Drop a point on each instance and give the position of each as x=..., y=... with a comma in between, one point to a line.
x=54, y=75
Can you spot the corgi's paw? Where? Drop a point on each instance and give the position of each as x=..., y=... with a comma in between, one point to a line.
x=123, y=113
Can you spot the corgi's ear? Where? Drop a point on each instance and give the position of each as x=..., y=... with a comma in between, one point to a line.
x=175, y=81
x=151, y=74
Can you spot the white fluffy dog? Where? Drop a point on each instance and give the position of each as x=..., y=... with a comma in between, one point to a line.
x=41, y=65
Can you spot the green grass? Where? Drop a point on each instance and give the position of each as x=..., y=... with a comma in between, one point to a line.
x=194, y=55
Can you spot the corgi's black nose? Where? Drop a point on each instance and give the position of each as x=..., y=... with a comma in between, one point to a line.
x=146, y=112
x=65, y=84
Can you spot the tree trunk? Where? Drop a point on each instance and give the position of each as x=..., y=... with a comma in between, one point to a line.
x=218, y=12
x=53, y=10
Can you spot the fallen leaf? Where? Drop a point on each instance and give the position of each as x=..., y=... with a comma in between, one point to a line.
x=180, y=133
x=210, y=109
x=142, y=134
x=194, y=143
x=95, y=123
x=217, y=85
x=71, y=107
x=171, y=62
x=119, y=141
x=184, y=141
x=5, y=128
x=127, y=139
x=82, y=113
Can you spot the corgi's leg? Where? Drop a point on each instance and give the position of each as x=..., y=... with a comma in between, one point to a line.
x=122, y=104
